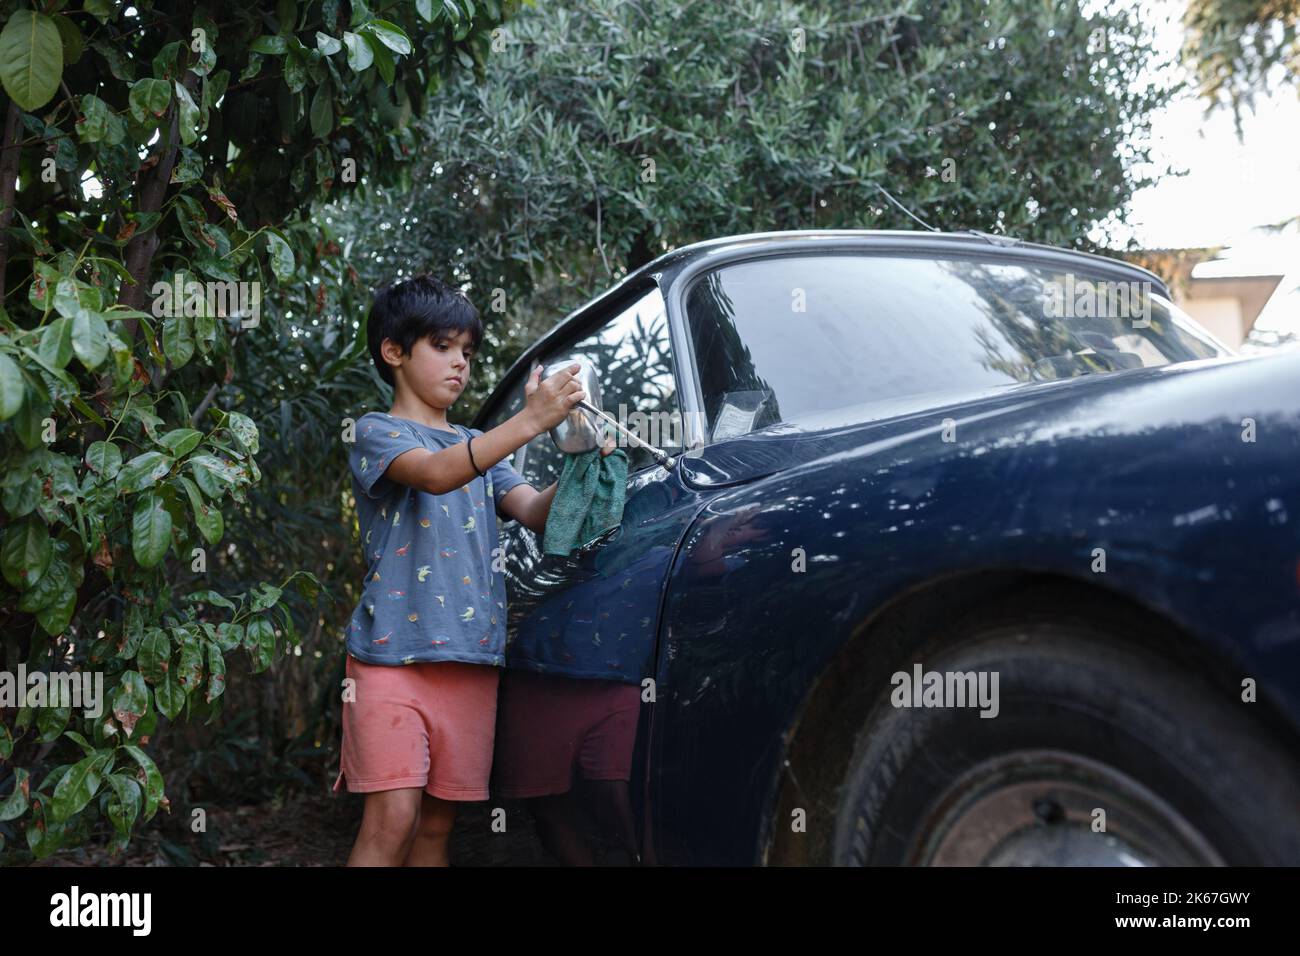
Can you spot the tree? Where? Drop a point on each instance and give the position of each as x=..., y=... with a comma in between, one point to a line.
x=608, y=133
x=1236, y=48
x=160, y=161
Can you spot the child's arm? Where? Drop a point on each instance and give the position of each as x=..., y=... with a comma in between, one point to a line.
x=438, y=472
x=531, y=507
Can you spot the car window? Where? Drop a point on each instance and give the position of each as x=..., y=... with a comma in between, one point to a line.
x=634, y=355
x=777, y=338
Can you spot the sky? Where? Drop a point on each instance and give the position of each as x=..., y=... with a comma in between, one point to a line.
x=1230, y=188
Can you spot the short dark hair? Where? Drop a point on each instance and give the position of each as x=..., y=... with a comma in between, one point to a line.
x=421, y=307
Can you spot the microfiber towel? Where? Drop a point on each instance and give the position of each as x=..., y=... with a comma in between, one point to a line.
x=588, y=501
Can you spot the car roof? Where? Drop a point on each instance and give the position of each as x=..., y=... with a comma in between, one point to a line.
x=665, y=267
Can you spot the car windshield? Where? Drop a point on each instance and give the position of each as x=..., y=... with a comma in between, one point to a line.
x=775, y=339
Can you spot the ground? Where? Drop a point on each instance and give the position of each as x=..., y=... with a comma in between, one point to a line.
x=314, y=830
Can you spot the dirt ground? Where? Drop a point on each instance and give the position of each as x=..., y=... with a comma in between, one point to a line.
x=317, y=830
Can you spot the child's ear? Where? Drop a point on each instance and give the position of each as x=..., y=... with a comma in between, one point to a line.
x=391, y=352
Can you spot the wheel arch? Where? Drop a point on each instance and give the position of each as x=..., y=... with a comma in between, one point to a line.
x=819, y=745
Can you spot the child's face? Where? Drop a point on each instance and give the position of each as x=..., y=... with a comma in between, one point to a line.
x=432, y=368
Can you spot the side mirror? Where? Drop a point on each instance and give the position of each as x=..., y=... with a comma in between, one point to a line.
x=579, y=432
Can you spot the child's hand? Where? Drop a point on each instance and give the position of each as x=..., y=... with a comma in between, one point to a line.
x=608, y=446
x=548, y=403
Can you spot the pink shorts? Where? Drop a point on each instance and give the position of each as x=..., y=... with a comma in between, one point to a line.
x=550, y=726
x=427, y=725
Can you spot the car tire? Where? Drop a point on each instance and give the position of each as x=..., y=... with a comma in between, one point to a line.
x=1101, y=753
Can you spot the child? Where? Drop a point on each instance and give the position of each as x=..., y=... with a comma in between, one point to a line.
x=426, y=640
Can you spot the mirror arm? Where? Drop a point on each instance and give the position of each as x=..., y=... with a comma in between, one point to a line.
x=660, y=455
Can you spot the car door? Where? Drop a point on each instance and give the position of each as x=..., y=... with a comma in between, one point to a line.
x=589, y=621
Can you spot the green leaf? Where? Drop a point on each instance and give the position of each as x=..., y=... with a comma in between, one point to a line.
x=31, y=58
x=181, y=441
x=281, y=256
x=215, y=598
x=229, y=636
x=143, y=471
x=15, y=805
x=45, y=278
x=149, y=99
x=102, y=10
x=44, y=836
x=50, y=722
x=78, y=786
x=259, y=639
x=295, y=70
x=189, y=114
x=360, y=56
x=207, y=517
x=66, y=300
x=154, y=656
x=86, y=747
x=272, y=45
x=390, y=35
x=70, y=36
x=131, y=700
x=189, y=672
x=322, y=112
x=99, y=123
x=27, y=424
x=11, y=387
x=53, y=597
x=205, y=331
x=104, y=458
x=252, y=68
x=327, y=44
x=383, y=58
x=153, y=781
x=178, y=338
x=124, y=805
x=216, y=672
x=52, y=587
x=25, y=553
x=55, y=617
x=56, y=342
x=189, y=169
x=151, y=530
x=89, y=338
x=213, y=469
x=244, y=430
x=170, y=697
x=306, y=584
x=264, y=595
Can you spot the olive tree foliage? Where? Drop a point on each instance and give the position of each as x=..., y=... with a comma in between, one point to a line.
x=159, y=275
x=608, y=132
x=1239, y=48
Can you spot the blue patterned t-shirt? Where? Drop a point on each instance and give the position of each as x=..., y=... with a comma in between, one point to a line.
x=430, y=593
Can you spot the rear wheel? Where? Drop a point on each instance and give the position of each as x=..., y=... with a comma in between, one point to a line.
x=1100, y=754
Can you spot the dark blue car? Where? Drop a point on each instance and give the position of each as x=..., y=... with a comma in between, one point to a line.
x=972, y=552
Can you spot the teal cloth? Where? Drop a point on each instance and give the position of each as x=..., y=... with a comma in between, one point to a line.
x=588, y=502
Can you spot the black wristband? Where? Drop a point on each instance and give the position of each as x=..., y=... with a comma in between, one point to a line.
x=469, y=447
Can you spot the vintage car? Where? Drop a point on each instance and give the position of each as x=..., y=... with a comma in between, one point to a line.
x=968, y=551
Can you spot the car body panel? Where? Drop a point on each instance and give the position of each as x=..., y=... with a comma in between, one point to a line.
x=1149, y=464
